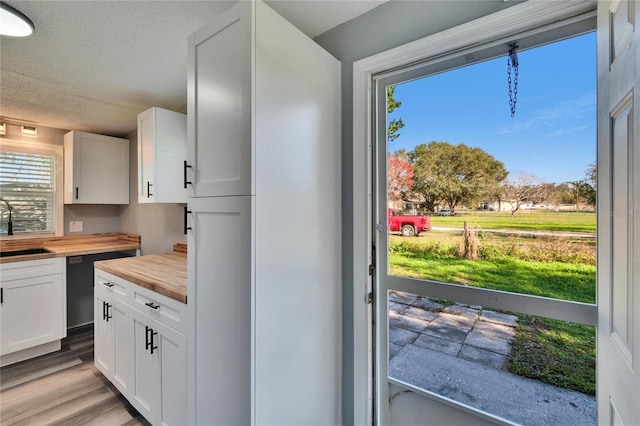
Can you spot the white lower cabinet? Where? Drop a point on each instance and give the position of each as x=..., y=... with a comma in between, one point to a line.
x=159, y=380
x=138, y=352
x=112, y=335
x=145, y=354
x=32, y=307
x=221, y=343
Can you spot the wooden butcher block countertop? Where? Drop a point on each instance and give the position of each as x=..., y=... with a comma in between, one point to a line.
x=164, y=273
x=75, y=245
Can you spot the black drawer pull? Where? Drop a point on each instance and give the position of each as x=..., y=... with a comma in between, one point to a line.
x=152, y=305
x=108, y=284
x=186, y=182
x=76, y=192
x=104, y=311
x=109, y=305
x=149, y=185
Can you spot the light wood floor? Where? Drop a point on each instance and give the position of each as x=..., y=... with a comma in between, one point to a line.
x=63, y=388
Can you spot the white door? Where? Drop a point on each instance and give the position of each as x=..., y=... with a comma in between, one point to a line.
x=145, y=380
x=103, y=330
x=220, y=309
x=173, y=403
x=618, y=312
x=619, y=213
x=30, y=312
x=121, y=327
x=219, y=103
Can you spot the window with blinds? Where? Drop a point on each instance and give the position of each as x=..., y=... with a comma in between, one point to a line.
x=27, y=189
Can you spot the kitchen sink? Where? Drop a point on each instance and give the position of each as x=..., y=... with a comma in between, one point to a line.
x=23, y=252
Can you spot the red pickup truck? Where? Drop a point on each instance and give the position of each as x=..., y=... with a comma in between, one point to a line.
x=408, y=225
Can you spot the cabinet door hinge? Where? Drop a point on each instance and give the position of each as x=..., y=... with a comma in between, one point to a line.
x=369, y=298
x=372, y=269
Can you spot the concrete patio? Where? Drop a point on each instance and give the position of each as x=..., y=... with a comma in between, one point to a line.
x=460, y=352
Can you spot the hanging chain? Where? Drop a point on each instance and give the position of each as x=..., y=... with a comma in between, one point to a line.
x=512, y=62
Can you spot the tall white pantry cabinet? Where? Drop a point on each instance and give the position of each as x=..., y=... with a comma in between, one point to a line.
x=264, y=216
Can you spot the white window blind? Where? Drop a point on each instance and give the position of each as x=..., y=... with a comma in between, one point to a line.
x=27, y=183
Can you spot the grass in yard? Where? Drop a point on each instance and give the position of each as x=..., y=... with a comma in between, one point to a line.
x=539, y=248
x=527, y=220
x=555, y=352
x=557, y=280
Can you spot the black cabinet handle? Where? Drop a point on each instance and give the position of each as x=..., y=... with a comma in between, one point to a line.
x=153, y=346
x=148, y=344
x=76, y=192
x=152, y=306
x=146, y=337
x=108, y=284
x=1, y=295
x=186, y=182
x=105, y=311
x=186, y=222
x=149, y=185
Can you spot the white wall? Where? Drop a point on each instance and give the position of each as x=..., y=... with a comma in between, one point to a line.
x=387, y=26
x=96, y=219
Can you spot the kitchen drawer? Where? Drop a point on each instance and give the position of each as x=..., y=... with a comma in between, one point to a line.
x=159, y=307
x=111, y=285
x=31, y=268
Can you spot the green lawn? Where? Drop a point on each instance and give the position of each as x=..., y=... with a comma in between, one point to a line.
x=558, y=280
x=555, y=352
x=528, y=220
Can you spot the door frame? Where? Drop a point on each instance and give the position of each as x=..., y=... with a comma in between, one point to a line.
x=491, y=30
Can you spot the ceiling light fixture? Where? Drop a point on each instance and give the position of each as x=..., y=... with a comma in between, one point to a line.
x=13, y=23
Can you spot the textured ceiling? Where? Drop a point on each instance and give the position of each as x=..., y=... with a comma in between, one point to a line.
x=94, y=65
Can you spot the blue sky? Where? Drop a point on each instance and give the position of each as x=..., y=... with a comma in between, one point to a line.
x=553, y=133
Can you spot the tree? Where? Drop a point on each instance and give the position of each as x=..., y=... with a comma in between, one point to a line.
x=592, y=174
x=455, y=174
x=424, y=183
x=592, y=180
x=583, y=191
x=521, y=189
x=548, y=194
x=565, y=194
x=399, y=175
x=396, y=124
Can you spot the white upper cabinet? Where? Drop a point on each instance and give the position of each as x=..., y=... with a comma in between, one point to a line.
x=96, y=169
x=219, y=102
x=162, y=152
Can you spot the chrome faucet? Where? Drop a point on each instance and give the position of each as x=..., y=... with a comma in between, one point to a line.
x=10, y=224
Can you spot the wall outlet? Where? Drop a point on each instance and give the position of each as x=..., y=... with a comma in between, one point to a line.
x=75, y=226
